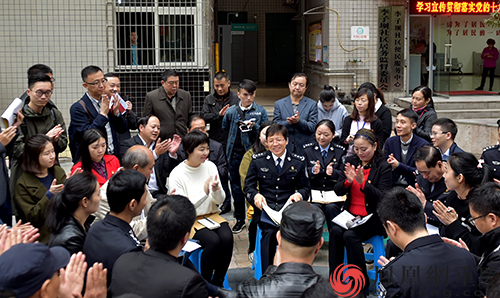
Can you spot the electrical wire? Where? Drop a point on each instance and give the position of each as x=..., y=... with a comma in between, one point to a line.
x=340, y=42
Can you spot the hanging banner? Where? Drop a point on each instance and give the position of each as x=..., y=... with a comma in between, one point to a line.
x=391, y=48
x=453, y=7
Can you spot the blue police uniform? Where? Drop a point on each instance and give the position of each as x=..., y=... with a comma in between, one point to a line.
x=263, y=178
x=491, y=157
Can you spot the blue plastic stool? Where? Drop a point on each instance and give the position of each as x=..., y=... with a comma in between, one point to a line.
x=378, y=250
x=195, y=257
x=326, y=233
x=257, y=258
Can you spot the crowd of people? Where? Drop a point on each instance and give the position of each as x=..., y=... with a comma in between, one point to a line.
x=129, y=205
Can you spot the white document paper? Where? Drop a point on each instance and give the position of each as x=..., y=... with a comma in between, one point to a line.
x=209, y=223
x=433, y=230
x=9, y=116
x=275, y=216
x=348, y=221
x=325, y=197
x=190, y=246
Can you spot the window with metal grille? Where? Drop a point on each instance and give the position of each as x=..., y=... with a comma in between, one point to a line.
x=154, y=34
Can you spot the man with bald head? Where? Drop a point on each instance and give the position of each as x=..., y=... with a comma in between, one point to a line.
x=141, y=159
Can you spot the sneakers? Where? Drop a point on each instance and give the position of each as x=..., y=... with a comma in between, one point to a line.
x=250, y=257
x=238, y=227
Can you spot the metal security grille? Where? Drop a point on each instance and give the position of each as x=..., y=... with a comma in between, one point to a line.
x=145, y=37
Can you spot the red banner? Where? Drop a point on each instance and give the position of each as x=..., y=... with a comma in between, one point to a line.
x=453, y=7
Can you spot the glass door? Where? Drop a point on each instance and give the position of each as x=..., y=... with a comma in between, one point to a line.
x=419, y=32
x=440, y=53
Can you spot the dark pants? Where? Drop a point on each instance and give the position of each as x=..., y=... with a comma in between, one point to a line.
x=491, y=71
x=331, y=210
x=352, y=239
x=391, y=250
x=217, y=252
x=252, y=234
x=268, y=244
x=225, y=186
x=234, y=177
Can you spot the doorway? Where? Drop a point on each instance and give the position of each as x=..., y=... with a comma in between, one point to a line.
x=280, y=47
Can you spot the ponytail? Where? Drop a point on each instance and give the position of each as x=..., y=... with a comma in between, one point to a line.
x=474, y=172
x=64, y=204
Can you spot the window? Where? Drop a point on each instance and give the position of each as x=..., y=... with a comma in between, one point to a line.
x=160, y=33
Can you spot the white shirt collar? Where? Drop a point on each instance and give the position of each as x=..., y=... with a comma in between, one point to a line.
x=282, y=158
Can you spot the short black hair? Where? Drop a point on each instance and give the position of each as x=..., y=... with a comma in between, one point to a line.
x=37, y=78
x=169, y=219
x=300, y=74
x=329, y=123
x=485, y=198
x=491, y=41
x=39, y=68
x=91, y=69
x=221, y=75
x=248, y=85
x=169, y=73
x=194, y=139
x=111, y=75
x=276, y=128
x=447, y=125
x=403, y=208
x=327, y=94
x=144, y=120
x=192, y=119
x=410, y=114
x=429, y=154
x=123, y=187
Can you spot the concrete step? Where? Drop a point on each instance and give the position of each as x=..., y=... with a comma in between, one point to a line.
x=458, y=114
x=464, y=103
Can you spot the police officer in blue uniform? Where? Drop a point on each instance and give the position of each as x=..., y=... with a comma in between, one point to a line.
x=491, y=156
x=274, y=178
x=324, y=159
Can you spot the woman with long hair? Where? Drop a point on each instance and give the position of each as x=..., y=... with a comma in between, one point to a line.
x=39, y=182
x=362, y=116
x=462, y=172
x=367, y=175
x=93, y=158
x=381, y=111
x=68, y=215
x=197, y=179
x=423, y=105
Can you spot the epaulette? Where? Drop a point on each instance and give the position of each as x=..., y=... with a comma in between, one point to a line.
x=299, y=157
x=255, y=156
x=490, y=147
x=340, y=147
x=308, y=145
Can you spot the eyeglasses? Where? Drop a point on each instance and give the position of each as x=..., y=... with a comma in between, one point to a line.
x=52, y=80
x=173, y=83
x=41, y=93
x=103, y=82
x=300, y=85
x=433, y=133
x=472, y=221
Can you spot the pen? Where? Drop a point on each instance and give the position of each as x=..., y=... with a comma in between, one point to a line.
x=448, y=210
x=209, y=220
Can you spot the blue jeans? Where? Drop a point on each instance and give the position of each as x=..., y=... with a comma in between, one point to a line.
x=237, y=192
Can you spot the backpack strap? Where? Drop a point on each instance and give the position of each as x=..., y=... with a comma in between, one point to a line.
x=85, y=108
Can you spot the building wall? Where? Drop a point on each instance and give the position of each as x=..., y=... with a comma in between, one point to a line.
x=68, y=35
x=259, y=8
x=344, y=73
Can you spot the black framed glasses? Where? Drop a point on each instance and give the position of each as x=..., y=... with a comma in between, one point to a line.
x=103, y=82
x=40, y=93
x=433, y=133
x=472, y=220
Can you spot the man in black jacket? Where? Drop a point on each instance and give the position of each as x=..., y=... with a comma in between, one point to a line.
x=216, y=105
x=428, y=266
x=299, y=240
x=169, y=224
x=484, y=206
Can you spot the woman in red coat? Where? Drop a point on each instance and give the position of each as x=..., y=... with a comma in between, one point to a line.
x=93, y=158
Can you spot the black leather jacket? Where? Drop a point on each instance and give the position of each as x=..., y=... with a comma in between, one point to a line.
x=288, y=280
x=72, y=235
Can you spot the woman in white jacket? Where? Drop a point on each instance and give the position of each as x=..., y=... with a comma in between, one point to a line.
x=197, y=179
